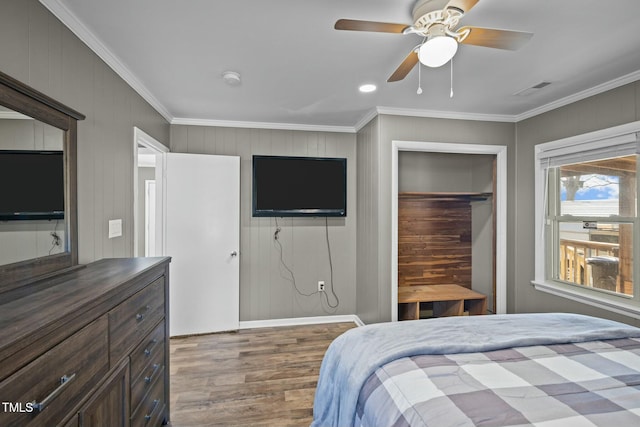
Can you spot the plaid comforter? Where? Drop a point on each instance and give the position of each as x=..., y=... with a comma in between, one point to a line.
x=595, y=383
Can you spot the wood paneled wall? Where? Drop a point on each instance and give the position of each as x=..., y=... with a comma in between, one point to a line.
x=434, y=241
x=368, y=273
x=266, y=291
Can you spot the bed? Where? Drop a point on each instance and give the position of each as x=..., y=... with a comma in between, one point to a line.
x=546, y=370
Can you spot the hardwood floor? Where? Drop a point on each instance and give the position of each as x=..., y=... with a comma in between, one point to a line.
x=253, y=377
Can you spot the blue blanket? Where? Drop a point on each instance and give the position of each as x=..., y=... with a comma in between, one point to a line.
x=355, y=355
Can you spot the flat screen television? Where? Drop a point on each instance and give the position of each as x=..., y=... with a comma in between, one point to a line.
x=299, y=186
x=32, y=185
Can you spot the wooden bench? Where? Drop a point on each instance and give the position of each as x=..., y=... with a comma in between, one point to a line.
x=448, y=300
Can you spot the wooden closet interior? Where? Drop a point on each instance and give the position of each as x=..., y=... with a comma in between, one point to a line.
x=435, y=245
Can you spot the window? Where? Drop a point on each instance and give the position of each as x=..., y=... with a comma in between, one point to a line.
x=587, y=214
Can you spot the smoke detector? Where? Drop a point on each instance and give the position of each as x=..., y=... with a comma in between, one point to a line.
x=231, y=78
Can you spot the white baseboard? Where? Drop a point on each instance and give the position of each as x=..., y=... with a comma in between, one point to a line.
x=297, y=321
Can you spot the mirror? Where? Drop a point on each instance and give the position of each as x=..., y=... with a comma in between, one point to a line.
x=27, y=144
x=34, y=127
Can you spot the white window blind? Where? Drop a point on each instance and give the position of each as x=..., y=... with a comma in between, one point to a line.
x=553, y=155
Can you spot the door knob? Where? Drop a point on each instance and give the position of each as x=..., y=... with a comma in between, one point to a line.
x=234, y=253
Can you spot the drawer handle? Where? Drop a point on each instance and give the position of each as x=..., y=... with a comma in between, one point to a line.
x=64, y=380
x=156, y=404
x=140, y=316
x=155, y=369
x=147, y=351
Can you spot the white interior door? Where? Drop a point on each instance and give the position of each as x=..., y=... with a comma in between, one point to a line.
x=202, y=236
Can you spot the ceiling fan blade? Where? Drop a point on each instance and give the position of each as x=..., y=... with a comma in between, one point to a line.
x=463, y=5
x=378, y=27
x=499, y=39
x=407, y=65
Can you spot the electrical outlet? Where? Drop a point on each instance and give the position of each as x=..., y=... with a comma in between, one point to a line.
x=320, y=285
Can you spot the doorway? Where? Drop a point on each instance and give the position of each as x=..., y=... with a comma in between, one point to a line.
x=195, y=219
x=497, y=192
x=148, y=193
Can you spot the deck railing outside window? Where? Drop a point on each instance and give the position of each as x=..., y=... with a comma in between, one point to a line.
x=590, y=263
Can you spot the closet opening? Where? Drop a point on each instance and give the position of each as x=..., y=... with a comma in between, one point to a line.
x=448, y=239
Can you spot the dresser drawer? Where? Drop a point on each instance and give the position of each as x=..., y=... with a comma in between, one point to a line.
x=147, y=378
x=50, y=386
x=150, y=346
x=134, y=318
x=151, y=409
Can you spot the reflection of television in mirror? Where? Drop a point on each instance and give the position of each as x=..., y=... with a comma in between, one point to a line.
x=299, y=186
x=32, y=185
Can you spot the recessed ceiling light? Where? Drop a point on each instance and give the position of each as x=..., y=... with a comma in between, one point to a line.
x=367, y=88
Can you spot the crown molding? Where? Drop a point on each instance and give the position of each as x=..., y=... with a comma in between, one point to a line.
x=515, y=118
x=612, y=84
x=370, y=115
x=393, y=111
x=71, y=21
x=262, y=125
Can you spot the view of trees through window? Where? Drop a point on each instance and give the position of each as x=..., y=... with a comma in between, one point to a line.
x=596, y=203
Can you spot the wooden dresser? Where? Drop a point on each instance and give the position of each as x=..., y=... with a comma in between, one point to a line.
x=88, y=347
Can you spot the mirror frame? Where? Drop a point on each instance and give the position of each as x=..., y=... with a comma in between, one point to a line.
x=26, y=100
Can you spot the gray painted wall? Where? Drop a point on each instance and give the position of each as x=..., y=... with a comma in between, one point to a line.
x=482, y=228
x=437, y=172
x=615, y=107
x=38, y=50
x=376, y=138
x=444, y=172
x=265, y=293
x=368, y=269
x=26, y=134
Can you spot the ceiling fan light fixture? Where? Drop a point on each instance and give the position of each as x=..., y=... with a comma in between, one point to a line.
x=437, y=51
x=368, y=87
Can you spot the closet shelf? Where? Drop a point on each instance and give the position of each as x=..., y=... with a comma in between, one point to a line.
x=472, y=197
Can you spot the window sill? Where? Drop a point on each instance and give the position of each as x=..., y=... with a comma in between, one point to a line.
x=587, y=297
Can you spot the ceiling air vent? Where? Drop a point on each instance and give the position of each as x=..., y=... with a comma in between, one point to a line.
x=532, y=89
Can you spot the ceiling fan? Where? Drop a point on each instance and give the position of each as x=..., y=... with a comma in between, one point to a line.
x=436, y=22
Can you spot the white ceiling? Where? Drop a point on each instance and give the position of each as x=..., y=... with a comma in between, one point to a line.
x=298, y=71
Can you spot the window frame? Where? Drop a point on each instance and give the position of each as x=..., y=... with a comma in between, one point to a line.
x=610, y=137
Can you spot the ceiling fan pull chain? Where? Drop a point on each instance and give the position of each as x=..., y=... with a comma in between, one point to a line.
x=451, y=93
x=419, y=91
